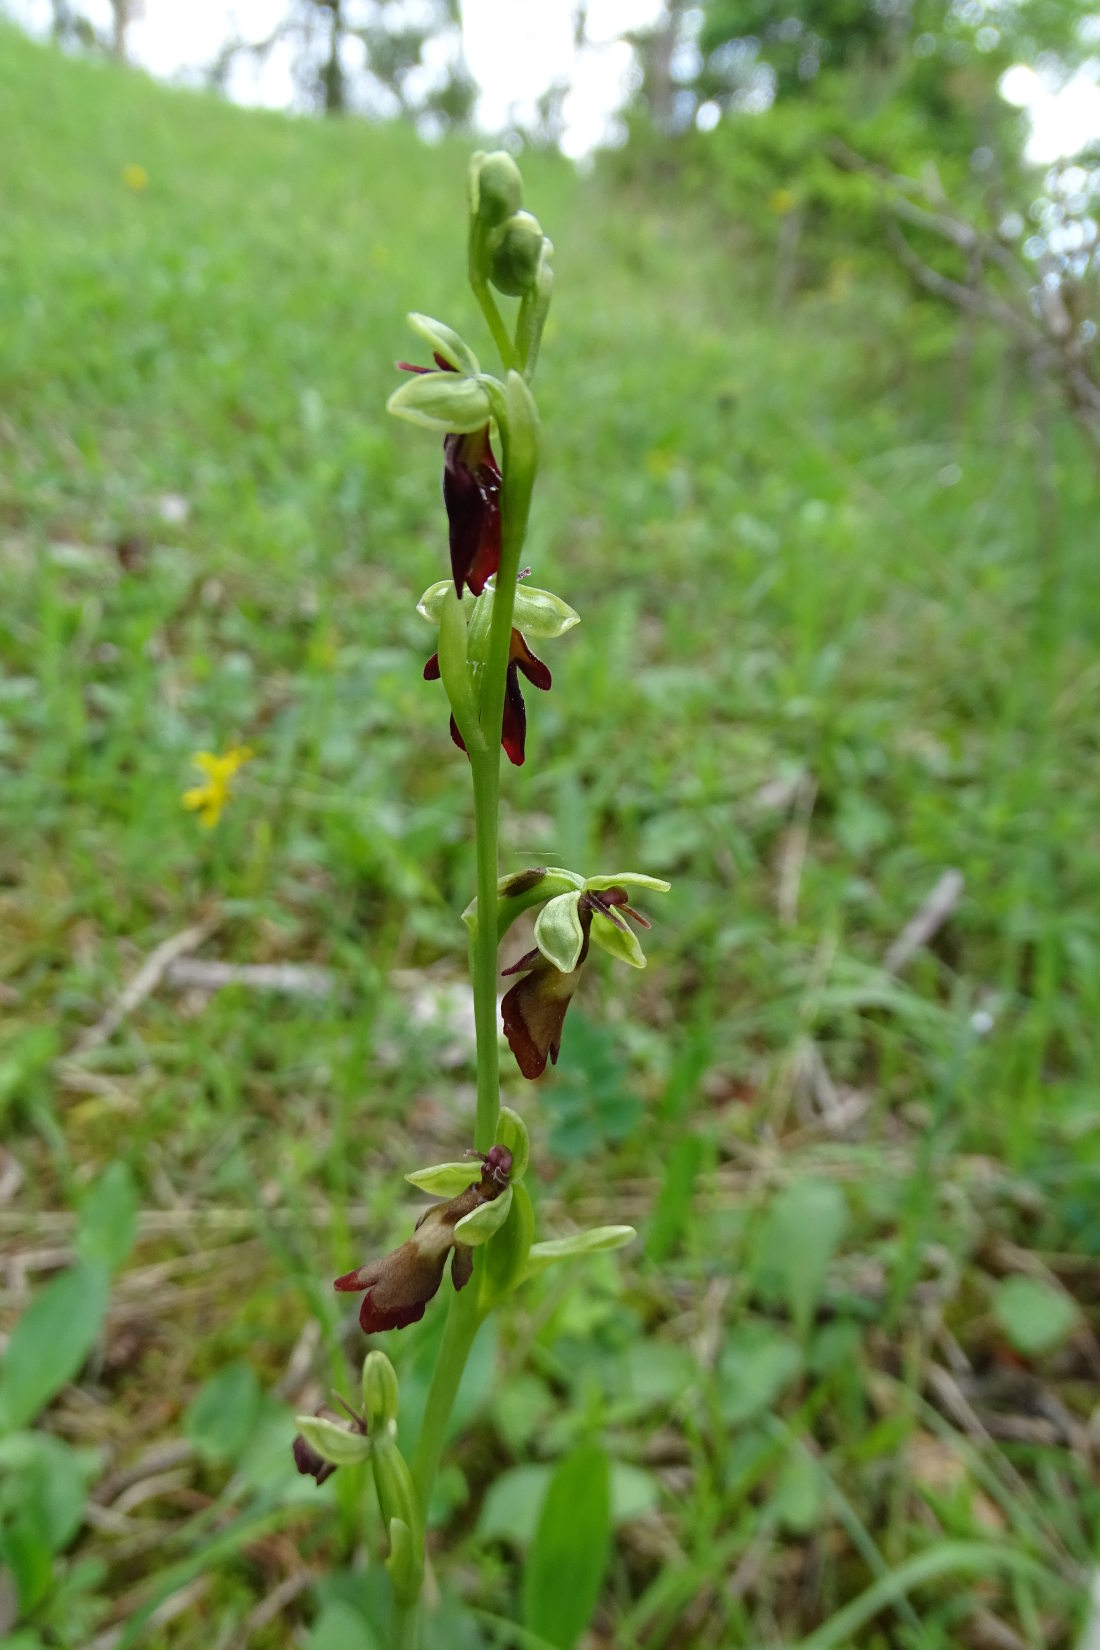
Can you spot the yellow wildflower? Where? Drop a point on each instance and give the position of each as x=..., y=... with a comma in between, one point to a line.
x=782, y=202
x=209, y=799
x=135, y=177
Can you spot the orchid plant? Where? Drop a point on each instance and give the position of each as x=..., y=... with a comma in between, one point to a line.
x=487, y=617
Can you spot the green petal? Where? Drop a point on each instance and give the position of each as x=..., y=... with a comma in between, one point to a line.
x=628, y=879
x=621, y=942
x=512, y=1132
x=442, y=401
x=480, y=1224
x=444, y=1179
x=444, y=341
x=333, y=1442
x=558, y=932
x=593, y=1242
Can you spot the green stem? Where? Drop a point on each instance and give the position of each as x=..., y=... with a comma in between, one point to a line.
x=483, y=948
x=496, y=323
x=405, y=1626
x=463, y=1323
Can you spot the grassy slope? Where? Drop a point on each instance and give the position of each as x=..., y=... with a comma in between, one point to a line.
x=795, y=553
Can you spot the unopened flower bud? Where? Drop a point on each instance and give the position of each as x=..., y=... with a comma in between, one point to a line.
x=515, y=253
x=496, y=187
x=379, y=1392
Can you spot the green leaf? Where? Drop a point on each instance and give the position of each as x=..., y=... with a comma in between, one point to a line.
x=444, y=1179
x=1036, y=1317
x=441, y=401
x=799, y=1499
x=340, y=1627
x=51, y=1341
x=443, y=340
x=510, y=1511
x=757, y=1365
x=36, y=1467
x=221, y=1416
x=332, y=1441
x=512, y=1132
x=558, y=932
x=622, y=942
x=801, y=1233
x=108, y=1218
x=592, y=1242
x=479, y=1225
x=565, y=1568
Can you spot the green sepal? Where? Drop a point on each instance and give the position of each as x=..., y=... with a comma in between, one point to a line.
x=539, y=614
x=533, y=310
x=514, y=254
x=447, y=402
x=542, y=615
x=520, y=890
x=628, y=879
x=480, y=1224
x=380, y=1393
x=512, y=1132
x=559, y=933
x=333, y=1442
x=404, y=1566
x=506, y=1257
x=621, y=942
x=444, y=341
x=443, y=1179
x=594, y=1242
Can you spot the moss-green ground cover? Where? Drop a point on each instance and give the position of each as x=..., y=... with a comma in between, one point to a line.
x=835, y=643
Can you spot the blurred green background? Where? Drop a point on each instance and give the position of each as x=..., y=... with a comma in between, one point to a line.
x=819, y=396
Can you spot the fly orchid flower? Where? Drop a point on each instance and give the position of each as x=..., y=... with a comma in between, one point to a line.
x=586, y=909
x=539, y=613
x=400, y=1285
x=452, y=397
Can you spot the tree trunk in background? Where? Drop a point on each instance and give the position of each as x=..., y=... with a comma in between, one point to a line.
x=120, y=23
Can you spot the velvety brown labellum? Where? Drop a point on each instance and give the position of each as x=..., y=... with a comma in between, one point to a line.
x=471, y=493
x=513, y=731
x=533, y=1011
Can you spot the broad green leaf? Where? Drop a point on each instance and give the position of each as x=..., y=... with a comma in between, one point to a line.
x=621, y=942
x=444, y=341
x=108, y=1218
x=799, y=1499
x=565, y=1566
x=221, y=1416
x=480, y=1224
x=340, y=1627
x=445, y=402
x=332, y=1441
x=510, y=1511
x=757, y=1365
x=512, y=1132
x=444, y=1179
x=558, y=932
x=801, y=1233
x=1036, y=1317
x=592, y=1242
x=51, y=1341
x=37, y=1467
